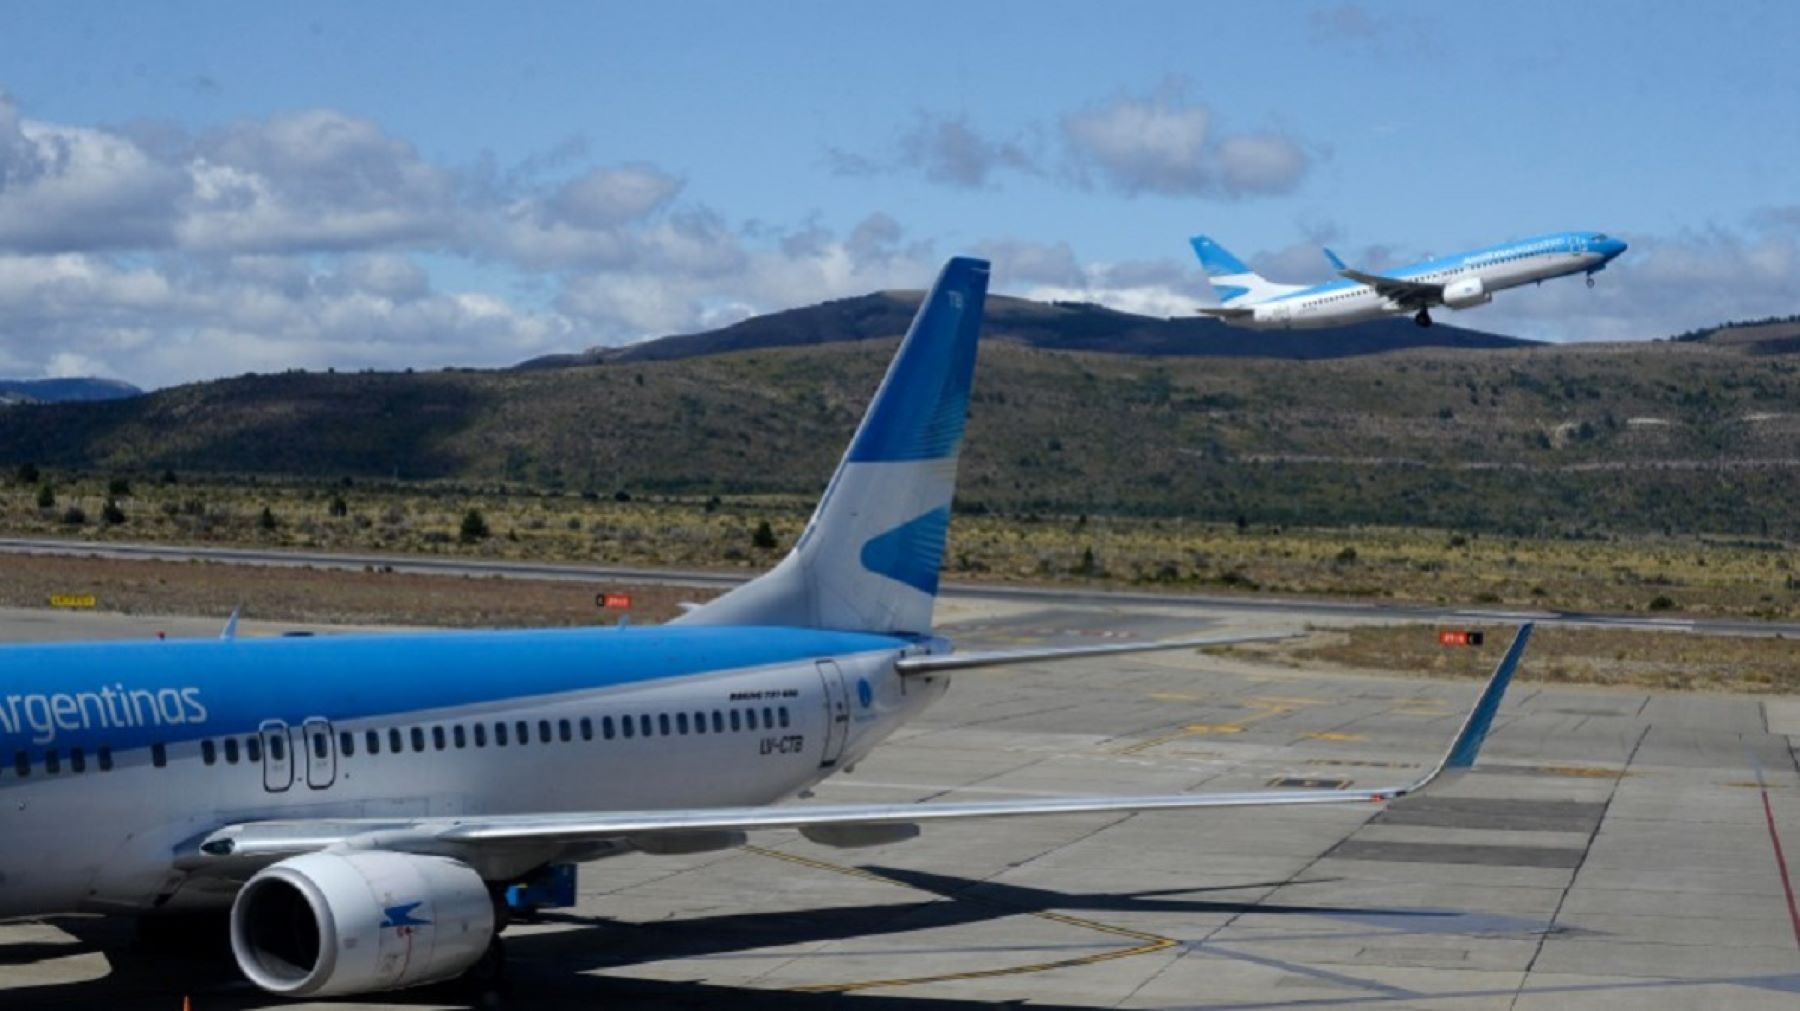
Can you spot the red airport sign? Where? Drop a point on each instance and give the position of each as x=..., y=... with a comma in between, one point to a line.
x=1459, y=637
x=613, y=601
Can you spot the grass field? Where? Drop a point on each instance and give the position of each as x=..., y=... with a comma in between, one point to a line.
x=1740, y=577
x=1628, y=658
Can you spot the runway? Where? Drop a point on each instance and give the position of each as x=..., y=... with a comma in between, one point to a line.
x=1616, y=849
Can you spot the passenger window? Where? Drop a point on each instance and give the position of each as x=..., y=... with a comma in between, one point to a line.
x=22, y=764
x=644, y=725
x=277, y=748
x=562, y=731
x=159, y=755
x=231, y=751
x=750, y=718
x=768, y=718
x=418, y=738
x=437, y=738
x=606, y=727
x=77, y=760
x=681, y=724
x=253, y=749
x=499, y=735
x=524, y=731
x=481, y=735
x=736, y=721
x=347, y=743
x=662, y=724
x=587, y=729
x=718, y=722
x=699, y=723
x=782, y=712
x=373, y=740
x=53, y=761
x=458, y=737
x=543, y=731
x=321, y=745
x=105, y=756
x=395, y=744
x=208, y=752
x=625, y=722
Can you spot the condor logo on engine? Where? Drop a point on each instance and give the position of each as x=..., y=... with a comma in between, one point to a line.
x=402, y=916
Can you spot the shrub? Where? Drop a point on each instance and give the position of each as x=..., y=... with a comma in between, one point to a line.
x=74, y=517
x=267, y=520
x=764, y=537
x=118, y=487
x=338, y=506
x=1662, y=603
x=111, y=514
x=28, y=473
x=474, y=527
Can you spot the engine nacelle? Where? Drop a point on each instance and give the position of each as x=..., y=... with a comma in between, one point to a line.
x=329, y=924
x=1466, y=292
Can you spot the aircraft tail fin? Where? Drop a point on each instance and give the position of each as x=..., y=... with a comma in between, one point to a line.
x=1233, y=280
x=868, y=560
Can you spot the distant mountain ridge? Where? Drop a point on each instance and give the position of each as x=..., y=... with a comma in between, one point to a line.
x=1056, y=326
x=58, y=391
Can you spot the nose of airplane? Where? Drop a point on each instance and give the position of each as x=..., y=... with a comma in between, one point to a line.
x=1611, y=248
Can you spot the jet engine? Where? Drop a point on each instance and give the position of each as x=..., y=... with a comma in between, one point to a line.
x=1465, y=293
x=329, y=924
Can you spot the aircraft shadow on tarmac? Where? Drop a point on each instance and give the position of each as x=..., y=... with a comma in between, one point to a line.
x=549, y=969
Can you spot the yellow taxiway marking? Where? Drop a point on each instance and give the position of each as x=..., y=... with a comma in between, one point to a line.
x=1332, y=735
x=1265, y=706
x=1145, y=942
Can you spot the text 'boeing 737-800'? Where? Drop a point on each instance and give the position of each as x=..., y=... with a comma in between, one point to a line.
x=1459, y=281
x=364, y=804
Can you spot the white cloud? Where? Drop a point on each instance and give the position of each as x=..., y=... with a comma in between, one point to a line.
x=1165, y=144
x=71, y=188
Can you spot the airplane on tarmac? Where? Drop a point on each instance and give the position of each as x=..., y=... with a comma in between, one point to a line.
x=1458, y=281
x=367, y=806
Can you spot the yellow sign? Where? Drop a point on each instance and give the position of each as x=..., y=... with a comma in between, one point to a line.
x=72, y=600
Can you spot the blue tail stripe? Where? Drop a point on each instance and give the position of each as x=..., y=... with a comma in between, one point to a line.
x=1215, y=260
x=920, y=410
x=912, y=552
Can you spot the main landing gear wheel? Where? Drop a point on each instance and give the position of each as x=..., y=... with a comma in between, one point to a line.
x=1423, y=318
x=1590, y=280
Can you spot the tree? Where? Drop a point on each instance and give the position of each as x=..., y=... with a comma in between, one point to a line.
x=474, y=527
x=338, y=506
x=764, y=537
x=111, y=514
x=118, y=487
x=46, y=498
x=266, y=520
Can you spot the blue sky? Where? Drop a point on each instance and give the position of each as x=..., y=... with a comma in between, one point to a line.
x=198, y=189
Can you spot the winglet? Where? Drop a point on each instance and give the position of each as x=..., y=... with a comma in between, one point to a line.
x=230, y=631
x=1337, y=262
x=1467, y=745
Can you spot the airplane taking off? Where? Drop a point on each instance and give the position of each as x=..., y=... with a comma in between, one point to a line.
x=1459, y=281
x=364, y=804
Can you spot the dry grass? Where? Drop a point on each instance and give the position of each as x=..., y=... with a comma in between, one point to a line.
x=324, y=595
x=1623, y=658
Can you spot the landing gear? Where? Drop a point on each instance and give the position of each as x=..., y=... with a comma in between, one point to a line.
x=1423, y=317
x=486, y=979
x=1590, y=280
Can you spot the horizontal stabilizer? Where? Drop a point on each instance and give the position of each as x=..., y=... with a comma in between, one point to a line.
x=914, y=666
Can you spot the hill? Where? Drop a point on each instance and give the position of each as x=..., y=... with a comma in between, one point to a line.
x=1579, y=439
x=1060, y=326
x=50, y=391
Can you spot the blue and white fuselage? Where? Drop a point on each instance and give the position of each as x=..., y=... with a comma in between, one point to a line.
x=1459, y=281
x=120, y=756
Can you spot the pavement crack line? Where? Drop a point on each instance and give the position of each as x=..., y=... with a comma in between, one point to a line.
x=1575, y=873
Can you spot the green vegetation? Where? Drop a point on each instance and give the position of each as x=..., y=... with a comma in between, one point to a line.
x=1665, y=439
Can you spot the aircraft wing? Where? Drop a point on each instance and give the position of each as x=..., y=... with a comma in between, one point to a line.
x=1221, y=312
x=257, y=843
x=1411, y=294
